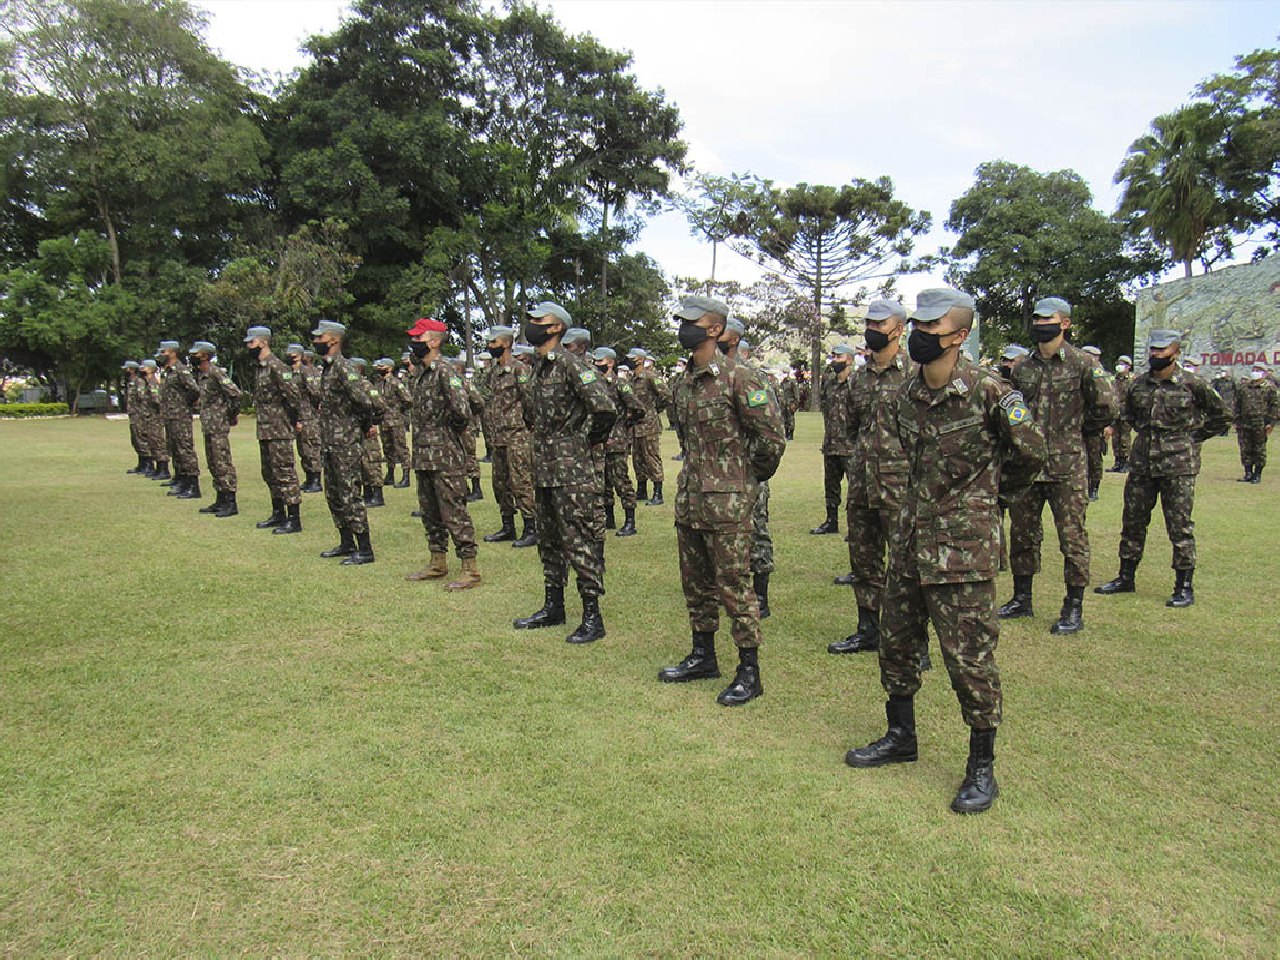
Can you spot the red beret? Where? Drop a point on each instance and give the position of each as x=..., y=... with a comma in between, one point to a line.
x=426, y=325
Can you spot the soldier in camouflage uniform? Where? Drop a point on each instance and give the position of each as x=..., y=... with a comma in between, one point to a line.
x=653, y=396
x=733, y=441
x=836, y=447
x=441, y=412
x=1225, y=387
x=277, y=401
x=301, y=363
x=567, y=408
x=789, y=396
x=131, y=379
x=346, y=421
x=1095, y=444
x=508, y=439
x=1011, y=355
x=151, y=423
x=1172, y=413
x=179, y=397
x=371, y=462
x=1072, y=400
x=398, y=403
x=1120, y=432
x=219, y=412
x=966, y=436
x=878, y=472
x=471, y=434
x=1257, y=408
x=617, y=476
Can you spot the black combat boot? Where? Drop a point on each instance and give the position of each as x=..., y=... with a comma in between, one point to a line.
x=140, y=468
x=592, y=626
x=404, y=479
x=530, y=536
x=1257, y=473
x=476, y=493
x=829, y=525
x=508, y=531
x=642, y=490
x=161, y=471
x=176, y=485
x=293, y=524
x=1183, y=595
x=760, y=583
x=1118, y=466
x=216, y=505
x=192, y=490
x=1071, y=619
x=313, y=484
x=610, y=520
x=1020, y=605
x=1123, y=583
x=375, y=497
x=898, y=745
x=844, y=580
x=1248, y=474
x=171, y=481
x=628, y=528
x=1123, y=466
x=551, y=614
x=1093, y=492
x=277, y=515
x=345, y=548
x=979, y=789
x=150, y=471
x=390, y=479
x=866, y=638
x=698, y=665
x=746, y=685
x=656, y=500
x=487, y=458
x=363, y=552
x=228, y=508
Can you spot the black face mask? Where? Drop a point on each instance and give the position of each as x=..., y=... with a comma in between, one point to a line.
x=692, y=336
x=255, y=352
x=1160, y=363
x=537, y=334
x=321, y=348
x=295, y=360
x=723, y=346
x=419, y=349
x=603, y=368
x=1044, y=332
x=876, y=341
x=924, y=347
x=497, y=352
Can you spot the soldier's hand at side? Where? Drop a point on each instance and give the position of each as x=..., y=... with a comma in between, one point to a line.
x=1269, y=428
x=1106, y=433
x=297, y=427
x=371, y=432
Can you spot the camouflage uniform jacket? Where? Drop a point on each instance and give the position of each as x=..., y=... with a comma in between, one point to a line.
x=1170, y=419
x=441, y=411
x=346, y=409
x=131, y=393
x=396, y=398
x=1121, y=383
x=566, y=401
x=179, y=393
x=504, y=408
x=277, y=399
x=966, y=444
x=219, y=401
x=1070, y=397
x=630, y=412
x=653, y=396
x=1257, y=403
x=835, y=417
x=789, y=395
x=879, y=463
x=309, y=395
x=148, y=398
x=733, y=440
x=475, y=402
x=1226, y=388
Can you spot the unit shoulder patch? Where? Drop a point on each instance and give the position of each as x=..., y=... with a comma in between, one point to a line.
x=587, y=376
x=455, y=381
x=757, y=398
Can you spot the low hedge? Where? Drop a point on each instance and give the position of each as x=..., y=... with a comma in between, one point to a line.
x=15, y=411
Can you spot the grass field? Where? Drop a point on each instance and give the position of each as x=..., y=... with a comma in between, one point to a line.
x=212, y=742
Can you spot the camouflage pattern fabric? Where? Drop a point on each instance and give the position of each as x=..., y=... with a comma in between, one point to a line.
x=277, y=399
x=131, y=391
x=617, y=472
x=1120, y=431
x=1225, y=388
x=835, y=470
x=371, y=464
x=508, y=439
x=1253, y=444
x=1071, y=397
x=836, y=441
x=1257, y=406
x=513, y=477
x=308, y=406
x=180, y=442
x=652, y=396
x=761, y=538
x=440, y=414
x=150, y=424
x=617, y=480
x=789, y=397
x=868, y=537
x=279, y=472
x=715, y=572
x=179, y=396
x=1095, y=448
x=1170, y=419
x=442, y=498
x=346, y=415
x=219, y=411
x=1068, y=500
x=1177, y=495
x=398, y=402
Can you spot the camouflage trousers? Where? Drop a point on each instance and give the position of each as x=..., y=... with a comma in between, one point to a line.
x=217, y=457
x=1068, y=500
x=395, y=445
x=964, y=617
x=789, y=423
x=571, y=533
x=1252, y=439
x=513, y=477
x=1177, y=499
x=647, y=456
x=1120, y=437
x=603, y=494
x=761, y=539
x=371, y=462
x=309, y=446
x=181, y=444
x=135, y=434
x=834, y=471
x=342, y=465
x=469, y=451
x=152, y=436
x=868, y=538
x=617, y=480
x=715, y=571
x=278, y=470
x=442, y=498
x=1094, y=448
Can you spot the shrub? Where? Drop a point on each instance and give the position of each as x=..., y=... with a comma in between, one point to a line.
x=15, y=411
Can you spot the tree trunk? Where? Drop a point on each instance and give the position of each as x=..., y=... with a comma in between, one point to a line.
x=1186, y=267
x=604, y=252
x=112, y=240
x=714, y=245
x=815, y=338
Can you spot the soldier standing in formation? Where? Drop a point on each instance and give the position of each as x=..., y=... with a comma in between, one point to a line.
x=836, y=446
x=617, y=475
x=301, y=364
x=1226, y=387
x=789, y=397
x=567, y=408
x=878, y=476
x=346, y=420
x=1257, y=408
x=653, y=396
x=1071, y=400
x=968, y=438
x=152, y=423
x=508, y=440
x=219, y=412
x=1172, y=413
x=371, y=461
x=396, y=398
x=1095, y=444
x=475, y=421
x=441, y=413
x=1119, y=429
x=277, y=400
x=131, y=380
x=179, y=397
x=733, y=440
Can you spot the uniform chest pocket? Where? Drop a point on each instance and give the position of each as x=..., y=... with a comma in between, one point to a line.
x=1175, y=409
x=714, y=420
x=959, y=445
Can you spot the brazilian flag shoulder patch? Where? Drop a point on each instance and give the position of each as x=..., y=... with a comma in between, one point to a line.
x=587, y=376
x=374, y=393
x=1018, y=412
x=523, y=378
x=1099, y=373
x=455, y=381
x=757, y=398
x=353, y=376
x=624, y=388
x=286, y=376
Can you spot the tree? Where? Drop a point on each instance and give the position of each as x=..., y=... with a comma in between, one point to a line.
x=718, y=208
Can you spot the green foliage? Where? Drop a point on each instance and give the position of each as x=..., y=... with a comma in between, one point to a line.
x=19, y=411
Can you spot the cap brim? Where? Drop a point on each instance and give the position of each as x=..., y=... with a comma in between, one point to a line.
x=316, y=333
x=928, y=314
x=689, y=313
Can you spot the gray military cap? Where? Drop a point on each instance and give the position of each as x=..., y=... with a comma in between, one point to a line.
x=484, y=355
x=576, y=335
x=130, y=365
x=493, y=333
x=522, y=350
x=202, y=346
x=254, y=333
x=1091, y=350
x=1159, y=339
x=295, y=348
x=549, y=309
x=1051, y=305
x=692, y=308
x=167, y=345
x=407, y=355
x=843, y=349
x=308, y=353
x=933, y=304
x=605, y=353
x=147, y=365
x=878, y=310
x=736, y=325
x=1125, y=358
x=329, y=326
x=744, y=344
x=384, y=362
x=638, y=353
x=360, y=362
x=1013, y=352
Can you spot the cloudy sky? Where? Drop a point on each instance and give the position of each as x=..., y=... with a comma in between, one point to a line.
x=801, y=90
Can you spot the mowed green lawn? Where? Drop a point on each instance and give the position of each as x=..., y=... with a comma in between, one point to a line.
x=213, y=742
